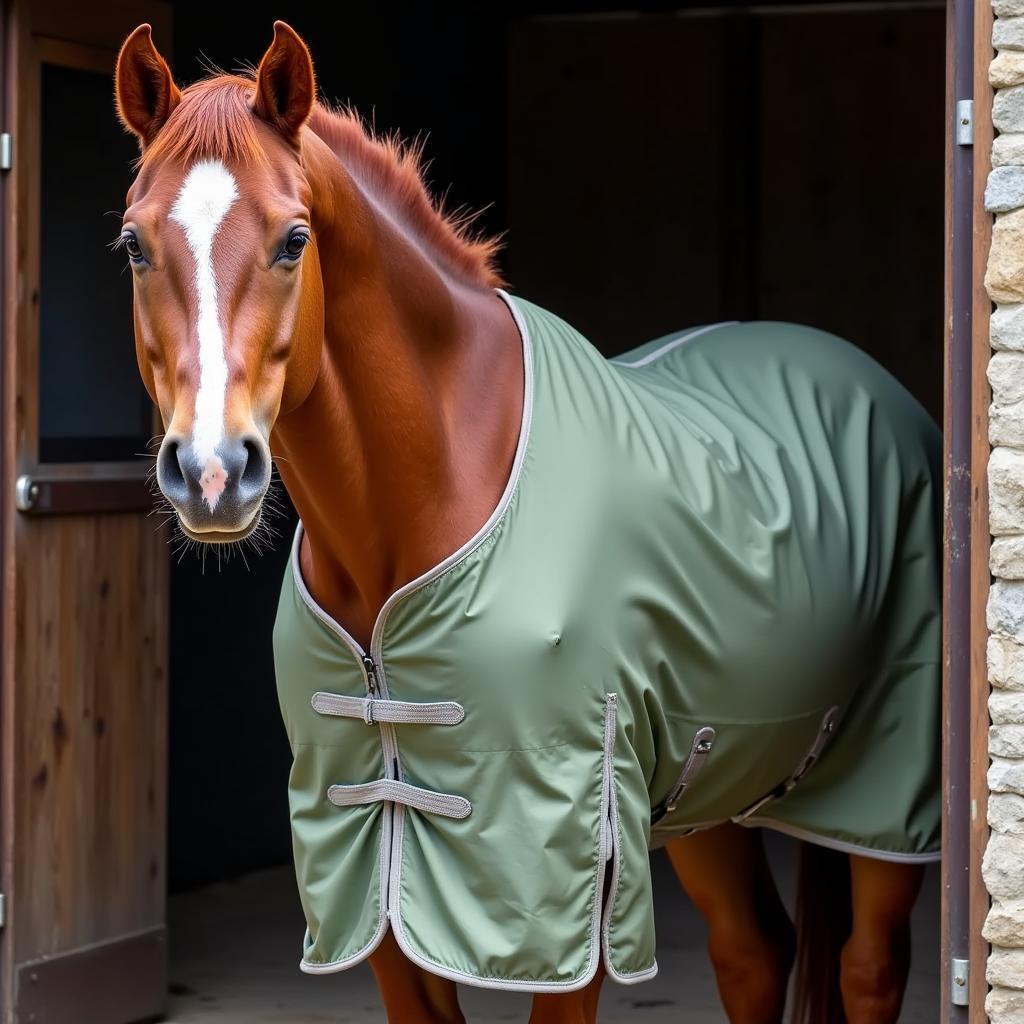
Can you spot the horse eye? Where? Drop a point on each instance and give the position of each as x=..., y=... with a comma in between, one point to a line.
x=297, y=241
x=132, y=247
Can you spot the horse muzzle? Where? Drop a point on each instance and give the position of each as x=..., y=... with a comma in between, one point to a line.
x=217, y=493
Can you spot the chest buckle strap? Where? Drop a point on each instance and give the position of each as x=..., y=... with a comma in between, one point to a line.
x=448, y=805
x=703, y=741
x=376, y=709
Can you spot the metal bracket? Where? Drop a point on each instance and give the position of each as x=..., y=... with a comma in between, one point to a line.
x=965, y=122
x=958, y=975
x=6, y=151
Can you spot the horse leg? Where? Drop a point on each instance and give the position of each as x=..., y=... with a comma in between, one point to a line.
x=409, y=992
x=569, y=1007
x=750, y=937
x=875, y=961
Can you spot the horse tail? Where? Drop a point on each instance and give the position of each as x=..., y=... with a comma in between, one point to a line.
x=823, y=922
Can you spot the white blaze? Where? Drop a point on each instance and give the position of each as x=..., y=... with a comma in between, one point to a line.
x=206, y=196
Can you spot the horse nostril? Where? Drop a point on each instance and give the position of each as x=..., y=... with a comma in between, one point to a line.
x=255, y=472
x=170, y=474
x=247, y=465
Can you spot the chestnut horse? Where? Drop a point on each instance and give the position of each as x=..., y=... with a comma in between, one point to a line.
x=299, y=297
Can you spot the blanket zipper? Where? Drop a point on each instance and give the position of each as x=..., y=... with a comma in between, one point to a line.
x=375, y=687
x=370, y=669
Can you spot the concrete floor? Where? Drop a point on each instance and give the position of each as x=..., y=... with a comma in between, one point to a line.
x=235, y=950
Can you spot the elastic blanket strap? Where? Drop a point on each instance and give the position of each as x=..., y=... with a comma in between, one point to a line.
x=374, y=709
x=825, y=733
x=446, y=804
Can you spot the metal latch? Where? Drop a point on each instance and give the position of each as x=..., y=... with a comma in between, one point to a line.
x=965, y=122
x=6, y=151
x=26, y=494
x=958, y=974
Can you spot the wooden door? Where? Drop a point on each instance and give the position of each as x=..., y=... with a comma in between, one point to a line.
x=82, y=747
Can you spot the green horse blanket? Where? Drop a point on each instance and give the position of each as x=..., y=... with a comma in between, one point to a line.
x=710, y=592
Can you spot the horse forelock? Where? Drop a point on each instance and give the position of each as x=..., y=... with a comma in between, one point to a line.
x=213, y=121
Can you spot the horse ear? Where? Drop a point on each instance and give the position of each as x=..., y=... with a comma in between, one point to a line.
x=285, y=84
x=144, y=87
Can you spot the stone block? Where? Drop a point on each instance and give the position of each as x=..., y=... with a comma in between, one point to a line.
x=1007, y=741
x=1005, y=187
x=1007, y=69
x=1003, y=866
x=1006, y=490
x=1006, y=557
x=1004, y=277
x=1006, y=328
x=1006, y=776
x=1006, y=813
x=1008, y=8
x=1006, y=967
x=1008, y=109
x=1005, y=1006
x=1008, y=34
x=1005, y=663
x=1006, y=425
x=1006, y=375
x=1004, y=925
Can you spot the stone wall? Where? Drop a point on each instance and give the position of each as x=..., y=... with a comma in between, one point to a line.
x=1004, y=196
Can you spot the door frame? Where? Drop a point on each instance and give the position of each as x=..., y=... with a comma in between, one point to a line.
x=104, y=956
x=966, y=577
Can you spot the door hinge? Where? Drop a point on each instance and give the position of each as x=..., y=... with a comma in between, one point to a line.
x=965, y=122
x=3, y=910
x=958, y=975
x=6, y=151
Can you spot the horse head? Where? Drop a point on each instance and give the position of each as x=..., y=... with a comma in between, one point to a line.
x=220, y=236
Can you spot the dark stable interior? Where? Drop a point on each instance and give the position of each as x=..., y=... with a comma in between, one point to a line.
x=653, y=169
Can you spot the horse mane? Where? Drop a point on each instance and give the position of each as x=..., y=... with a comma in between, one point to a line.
x=215, y=120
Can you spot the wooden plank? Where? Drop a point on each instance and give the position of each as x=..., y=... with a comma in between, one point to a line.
x=980, y=537
x=118, y=982
x=89, y=816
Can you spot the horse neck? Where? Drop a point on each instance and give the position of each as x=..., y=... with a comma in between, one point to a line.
x=404, y=445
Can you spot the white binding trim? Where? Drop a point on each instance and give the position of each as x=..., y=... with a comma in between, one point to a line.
x=370, y=710
x=348, y=962
x=895, y=856
x=391, y=842
x=448, y=805
x=511, y=984
x=804, y=835
x=615, y=833
x=664, y=350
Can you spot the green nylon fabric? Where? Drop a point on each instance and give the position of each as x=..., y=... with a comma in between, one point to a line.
x=742, y=533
